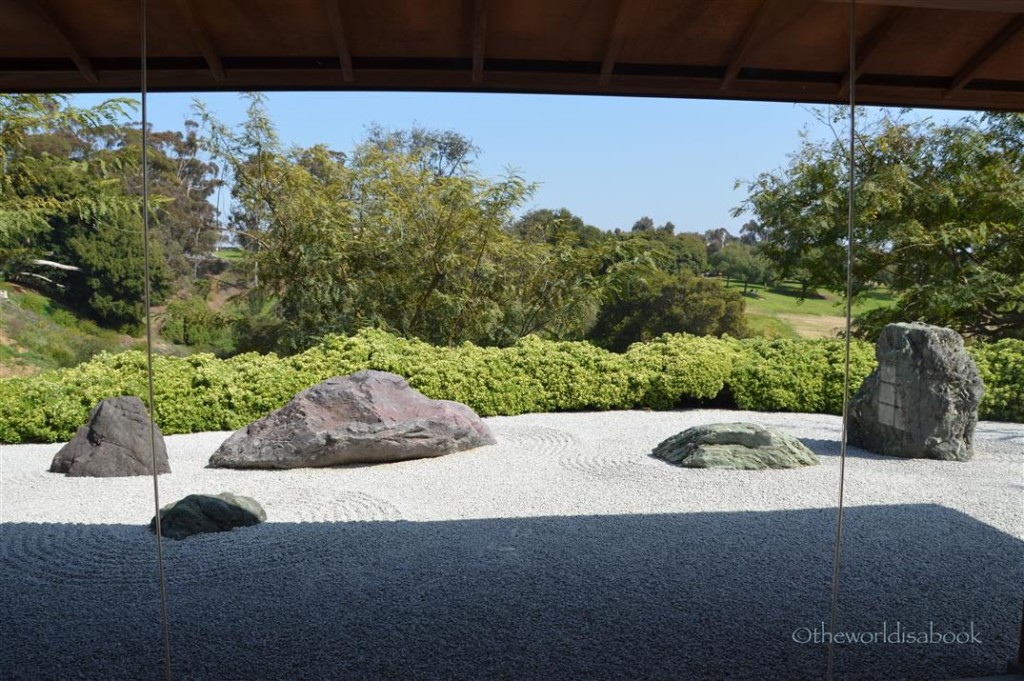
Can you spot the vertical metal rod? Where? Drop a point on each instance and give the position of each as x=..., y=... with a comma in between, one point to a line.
x=161, y=582
x=851, y=193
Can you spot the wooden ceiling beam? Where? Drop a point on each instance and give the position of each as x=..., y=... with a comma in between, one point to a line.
x=871, y=42
x=60, y=31
x=997, y=6
x=776, y=14
x=202, y=38
x=340, y=43
x=479, y=39
x=749, y=39
x=614, y=44
x=982, y=56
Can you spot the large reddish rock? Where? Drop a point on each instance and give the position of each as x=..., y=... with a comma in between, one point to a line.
x=368, y=417
x=115, y=442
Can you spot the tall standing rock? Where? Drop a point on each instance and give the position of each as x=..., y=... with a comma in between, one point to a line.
x=368, y=417
x=922, y=400
x=115, y=443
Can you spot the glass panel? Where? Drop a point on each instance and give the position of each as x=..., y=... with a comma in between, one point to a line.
x=564, y=550
x=78, y=588
x=933, y=559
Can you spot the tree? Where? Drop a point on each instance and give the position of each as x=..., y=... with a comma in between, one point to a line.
x=940, y=218
x=545, y=225
x=24, y=212
x=185, y=220
x=716, y=239
x=642, y=297
x=642, y=303
x=751, y=233
x=110, y=275
x=741, y=261
x=67, y=209
x=401, y=233
x=644, y=224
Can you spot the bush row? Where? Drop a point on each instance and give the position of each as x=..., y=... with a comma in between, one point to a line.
x=201, y=392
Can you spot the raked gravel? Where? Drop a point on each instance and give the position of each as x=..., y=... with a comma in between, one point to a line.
x=564, y=551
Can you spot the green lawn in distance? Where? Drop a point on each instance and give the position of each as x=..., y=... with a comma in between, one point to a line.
x=778, y=311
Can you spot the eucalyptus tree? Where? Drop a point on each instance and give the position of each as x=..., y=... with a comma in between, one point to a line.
x=400, y=233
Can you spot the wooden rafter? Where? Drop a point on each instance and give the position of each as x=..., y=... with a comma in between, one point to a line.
x=871, y=42
x=749, y=39
x=774, y=13
x=340, y=43
x=202, y=38
x=982, y=56
x=479, y=39
x=615, y=38
x=999, y=6
x=56, y=26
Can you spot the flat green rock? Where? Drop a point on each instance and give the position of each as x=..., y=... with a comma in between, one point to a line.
x=734, y=446
x=201, y=513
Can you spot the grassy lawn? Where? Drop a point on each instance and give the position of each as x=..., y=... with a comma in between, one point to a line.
x=778, y=312
x=232, y=255
x=37, y=333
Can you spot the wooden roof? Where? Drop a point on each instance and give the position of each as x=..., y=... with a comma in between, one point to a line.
x=935, y=53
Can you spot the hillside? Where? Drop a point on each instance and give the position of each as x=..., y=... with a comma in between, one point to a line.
x=37, y=333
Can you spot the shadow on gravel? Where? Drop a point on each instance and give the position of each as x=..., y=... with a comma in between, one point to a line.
x=681, y=596
x=832, y=448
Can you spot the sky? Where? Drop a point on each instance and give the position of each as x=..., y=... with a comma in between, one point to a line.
x=610, y=160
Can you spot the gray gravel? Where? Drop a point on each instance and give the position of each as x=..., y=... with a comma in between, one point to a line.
x=565, y=551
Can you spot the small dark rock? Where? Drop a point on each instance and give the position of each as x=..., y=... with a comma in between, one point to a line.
x=199, y=513
x=115, y=443
x=735, y=446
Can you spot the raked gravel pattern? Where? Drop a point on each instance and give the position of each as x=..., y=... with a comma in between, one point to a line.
x=563, y=551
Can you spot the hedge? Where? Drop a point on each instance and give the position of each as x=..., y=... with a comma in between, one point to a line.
x=201, y=392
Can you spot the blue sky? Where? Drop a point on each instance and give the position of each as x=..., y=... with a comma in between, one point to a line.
x=609, y=160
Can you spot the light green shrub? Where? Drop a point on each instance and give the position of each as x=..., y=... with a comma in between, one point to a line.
x=201, y=392
x=797, y=375
x=1001, y=365
x=675, y=367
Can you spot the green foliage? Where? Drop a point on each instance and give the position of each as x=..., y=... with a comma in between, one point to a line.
x=70, y=210
x=741, y=261
x=939, y=220
x=400, y=234
x=797, y=375
x=1001, y=365
x=202, y=393
x=643, y=302
x=190, y=321
x=110, y=283
x=43, y=334
x=555, y=227
x=677, y=366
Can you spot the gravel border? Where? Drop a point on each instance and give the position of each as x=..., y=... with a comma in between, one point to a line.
x=563, y=551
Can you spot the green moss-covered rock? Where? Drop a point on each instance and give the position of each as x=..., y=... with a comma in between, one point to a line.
x=199, y=513
x=734, y=446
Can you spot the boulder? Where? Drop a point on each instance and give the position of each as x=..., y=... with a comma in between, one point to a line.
x=114, y=443
x=199, y=513
x=922, y=399
x=368, y=417
x=736, y=446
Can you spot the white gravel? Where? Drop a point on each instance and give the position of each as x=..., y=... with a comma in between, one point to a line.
x=542, y=492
